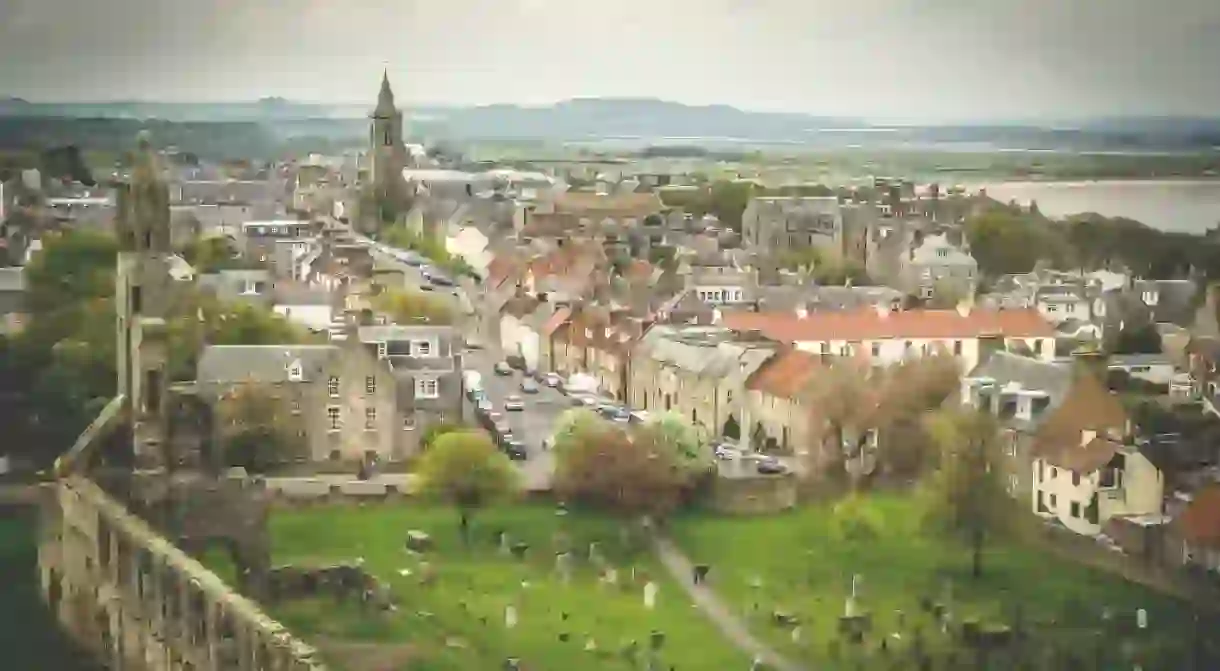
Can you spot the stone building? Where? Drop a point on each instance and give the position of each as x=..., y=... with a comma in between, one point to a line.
x=699, y=372
x=385, y=196
x=771, y=224
x=370, y=397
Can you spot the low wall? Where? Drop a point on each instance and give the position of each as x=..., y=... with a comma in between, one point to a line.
x=337, y=489
x=753, y=494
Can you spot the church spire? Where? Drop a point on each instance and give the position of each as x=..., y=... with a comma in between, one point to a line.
x=385, y=99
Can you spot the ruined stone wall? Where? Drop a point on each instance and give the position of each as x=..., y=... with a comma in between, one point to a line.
x=140, y=604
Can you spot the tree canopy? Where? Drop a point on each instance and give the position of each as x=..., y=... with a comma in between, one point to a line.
x=412, y=306
x=463, y=468
x=254, y=430
x=965, y=497
x=603, y=466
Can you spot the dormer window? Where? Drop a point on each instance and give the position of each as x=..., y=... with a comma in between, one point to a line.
x=295, y=372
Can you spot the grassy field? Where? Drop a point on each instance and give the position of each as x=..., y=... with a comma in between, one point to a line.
x=458, y=623
x=799, y=563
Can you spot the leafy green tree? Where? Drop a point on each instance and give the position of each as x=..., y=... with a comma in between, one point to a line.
x=601, y=465
x=254, y=430
x=411, y=306
x=214, y=254
x=464, y=469
x=683, y=439
x=1140, y=339
x=72, y=267
x=965, y=498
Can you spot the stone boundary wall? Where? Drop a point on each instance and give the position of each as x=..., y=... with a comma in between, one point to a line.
x=139, y=603
x=294, y=491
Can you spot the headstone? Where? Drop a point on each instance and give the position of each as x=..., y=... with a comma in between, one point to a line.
x=502, y=541
x=518, y=549
x=1141, y=618
x=563, y=564
x=796, y=634
x=418, y=541
x=650, y=595
x=510, y=616
x=610, y=576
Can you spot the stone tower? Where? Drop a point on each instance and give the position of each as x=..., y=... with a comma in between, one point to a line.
x=387, y=154
x=143, y=297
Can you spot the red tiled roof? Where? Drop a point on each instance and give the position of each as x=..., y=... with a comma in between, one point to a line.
x=786, y=374
x=556, y=320
x=1200, y=522
x=1085, y=458
x=499, y=270
x=869, y=324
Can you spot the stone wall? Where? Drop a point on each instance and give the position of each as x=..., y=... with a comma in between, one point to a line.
x=139, y=603
x=754, y=494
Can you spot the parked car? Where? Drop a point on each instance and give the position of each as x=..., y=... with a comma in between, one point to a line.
x=441, y=281
x=528, y=386
x=552, y=380
x=514, y=403
x=614, y=413
x=515, y=450
x=726, y=451
x=771, y=466
x=474, y=343
x=502, y=368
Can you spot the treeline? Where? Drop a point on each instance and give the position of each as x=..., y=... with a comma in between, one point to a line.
x=60, y=370
x=218, y=140
x=1007, y=239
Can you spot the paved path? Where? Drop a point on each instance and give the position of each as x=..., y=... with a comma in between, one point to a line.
x=729, y=624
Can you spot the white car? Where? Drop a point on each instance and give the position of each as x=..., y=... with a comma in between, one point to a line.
x=552, y=380
x=514, y=404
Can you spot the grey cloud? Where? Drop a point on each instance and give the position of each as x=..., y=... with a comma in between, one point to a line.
x=879, y=58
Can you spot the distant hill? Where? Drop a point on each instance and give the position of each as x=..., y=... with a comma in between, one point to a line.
x=650, y=121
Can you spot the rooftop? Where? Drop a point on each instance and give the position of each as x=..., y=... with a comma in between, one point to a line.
x=881, y=324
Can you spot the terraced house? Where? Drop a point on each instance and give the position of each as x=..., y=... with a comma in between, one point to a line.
x=372, y=396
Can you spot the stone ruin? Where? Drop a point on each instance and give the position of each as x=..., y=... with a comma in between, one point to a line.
x=344, y=582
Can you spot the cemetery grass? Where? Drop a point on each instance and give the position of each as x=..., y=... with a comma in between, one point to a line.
x=476, y=583
x=797, y=563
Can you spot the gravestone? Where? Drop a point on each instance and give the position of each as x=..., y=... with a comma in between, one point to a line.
x=510, y=616
x=650, y=595
x=418, y=541
x=519, y=549
x=563, y=564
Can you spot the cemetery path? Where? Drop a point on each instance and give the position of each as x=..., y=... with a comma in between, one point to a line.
x=731, y=626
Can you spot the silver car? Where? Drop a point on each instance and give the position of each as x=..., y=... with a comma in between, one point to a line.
x=514, y=403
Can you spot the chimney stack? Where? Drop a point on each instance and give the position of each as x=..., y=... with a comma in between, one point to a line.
x=1091, y=362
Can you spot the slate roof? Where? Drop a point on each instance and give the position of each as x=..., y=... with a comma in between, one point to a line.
x=1008, y=369
x=261, y=363
x=869, y=324
x=401, y=332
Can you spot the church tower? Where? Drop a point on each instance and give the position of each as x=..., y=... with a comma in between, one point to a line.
x=387, y=154
x=143, y=297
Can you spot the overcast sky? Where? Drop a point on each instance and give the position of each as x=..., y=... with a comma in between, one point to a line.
x=916, y=59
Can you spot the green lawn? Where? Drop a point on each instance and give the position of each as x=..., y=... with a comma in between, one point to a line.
x=477, y=583
x=798, y=563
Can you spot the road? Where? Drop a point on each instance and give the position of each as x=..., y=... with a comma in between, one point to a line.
x=533, y=425
x=536, y=422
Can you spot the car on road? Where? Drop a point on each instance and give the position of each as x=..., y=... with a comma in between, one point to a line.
x=514, y=403
x=552, y=380
x=441, y=281
x=587, y=400
x=483, y=404
x=412, y=259
x=515, y=450
x=502, y=368
x=614, y=413
x=474, y=343
x=528, y=386
x=770, y=466
x=726, y=451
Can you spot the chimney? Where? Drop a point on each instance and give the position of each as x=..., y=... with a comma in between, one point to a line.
x=965, y=307
x=1090, y=362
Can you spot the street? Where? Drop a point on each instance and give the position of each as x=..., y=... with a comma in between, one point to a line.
x=531, y=426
